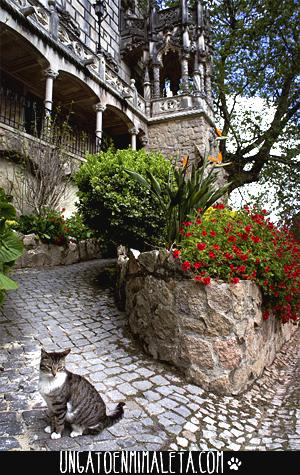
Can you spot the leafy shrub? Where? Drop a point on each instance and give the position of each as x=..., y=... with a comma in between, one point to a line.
x=230, y=246
x=76, y=228
x=10, y=245
x=49, y=226
x=115, y=205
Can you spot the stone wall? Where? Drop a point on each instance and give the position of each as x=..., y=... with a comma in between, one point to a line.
x=37, y=254
x=215, y=334
x=83, y=12
x=13, y=142
x=177, y=135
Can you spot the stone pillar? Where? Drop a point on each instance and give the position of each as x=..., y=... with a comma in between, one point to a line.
x=147, y=91
x=100, y=108
x=156, y=81
x=133, y=132
x=54, y=19
x=208, y=73
x=196, y=77
x=50, y=76
x=185, y=73
x=134, y=92
x=184, y=11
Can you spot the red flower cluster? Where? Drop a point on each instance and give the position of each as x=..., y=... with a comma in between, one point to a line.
x=246, y=246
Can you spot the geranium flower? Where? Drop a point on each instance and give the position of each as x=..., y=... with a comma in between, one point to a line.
x=255, y=239
x=201, y=246
x=242, y=269
x=232, y=239
x=185, y=266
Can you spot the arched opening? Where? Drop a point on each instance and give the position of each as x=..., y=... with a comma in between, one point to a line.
x=73, y=102
x=116, y=128
x=170, y=74
x=22, y=82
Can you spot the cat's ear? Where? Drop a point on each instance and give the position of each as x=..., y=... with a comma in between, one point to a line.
x=43, y=352
x=65, y=352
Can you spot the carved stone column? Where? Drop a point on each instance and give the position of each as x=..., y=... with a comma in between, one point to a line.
x=50, y=76
x=196, y=77
x=156, y=81
x=185, y=73
x=100, y=108
x=133, y=132
x=147, y=91
x=134, y=92
x=208, y=73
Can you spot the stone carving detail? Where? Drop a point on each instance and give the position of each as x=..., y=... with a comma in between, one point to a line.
x=64, y=37
x=170, y=105
x=111, y=62
x=123, y=88
x=67, y=39
x=20, y=3
x=168, y=18
x=68, y=22
x=41, y=17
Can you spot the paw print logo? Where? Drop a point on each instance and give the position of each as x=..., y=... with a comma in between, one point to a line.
x=234, y=463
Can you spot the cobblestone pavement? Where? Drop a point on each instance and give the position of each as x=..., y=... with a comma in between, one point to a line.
x=66, y=307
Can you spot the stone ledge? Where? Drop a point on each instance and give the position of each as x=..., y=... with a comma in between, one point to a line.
x=215, y=334
x=38, y=254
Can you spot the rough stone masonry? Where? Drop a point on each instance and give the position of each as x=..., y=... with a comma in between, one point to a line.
x=215, y=334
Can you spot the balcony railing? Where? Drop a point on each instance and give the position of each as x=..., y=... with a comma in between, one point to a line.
x=26, y=114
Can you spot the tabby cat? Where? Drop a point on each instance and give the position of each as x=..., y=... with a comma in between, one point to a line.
x=71, y=398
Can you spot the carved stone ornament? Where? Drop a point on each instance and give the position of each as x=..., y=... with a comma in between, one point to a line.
x=168, y=18
x=170, y=105
x=111, y=62
x=41, y=17
x=20, y=3
x=68, y=22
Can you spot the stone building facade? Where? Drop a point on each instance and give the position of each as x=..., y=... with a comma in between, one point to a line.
x=140, y=76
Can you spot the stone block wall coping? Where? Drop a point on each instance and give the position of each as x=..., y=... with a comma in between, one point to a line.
x=38, y=254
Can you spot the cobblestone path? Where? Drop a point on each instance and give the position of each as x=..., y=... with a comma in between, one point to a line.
x=66, y=307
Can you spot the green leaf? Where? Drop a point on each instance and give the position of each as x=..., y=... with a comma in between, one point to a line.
x=6, y=283
x=7, y=210
x=138, y=178
x=11, y=247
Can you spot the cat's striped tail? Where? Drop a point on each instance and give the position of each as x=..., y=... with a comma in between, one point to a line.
x=116, y=415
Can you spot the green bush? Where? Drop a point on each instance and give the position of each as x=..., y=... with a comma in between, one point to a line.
x=76, y=228
x=52, y=227
x=49, y=226
x=10, y=245
x=115, y=205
